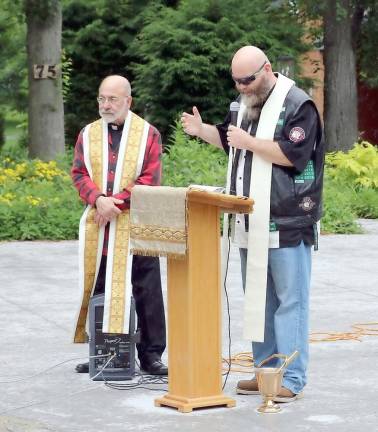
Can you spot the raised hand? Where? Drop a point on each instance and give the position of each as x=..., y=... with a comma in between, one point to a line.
x=192, y=123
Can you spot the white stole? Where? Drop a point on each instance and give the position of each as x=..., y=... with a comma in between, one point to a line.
x=258, y=236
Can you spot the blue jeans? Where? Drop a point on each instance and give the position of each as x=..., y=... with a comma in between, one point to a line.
x=287, y=311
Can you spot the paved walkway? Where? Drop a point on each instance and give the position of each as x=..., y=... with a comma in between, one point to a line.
x=38, y=300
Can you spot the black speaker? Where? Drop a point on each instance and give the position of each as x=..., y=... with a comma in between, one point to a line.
x=122, y=366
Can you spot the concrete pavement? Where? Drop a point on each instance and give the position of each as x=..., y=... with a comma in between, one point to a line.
x=38, y=301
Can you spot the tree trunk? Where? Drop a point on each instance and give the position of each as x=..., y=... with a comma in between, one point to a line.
x=340, y=83
x=46, y=115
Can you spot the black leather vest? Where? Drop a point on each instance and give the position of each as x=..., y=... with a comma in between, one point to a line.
x=296, y=198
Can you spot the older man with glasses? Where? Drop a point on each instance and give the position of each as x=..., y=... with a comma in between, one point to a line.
x=113, y=154
x=276, y=156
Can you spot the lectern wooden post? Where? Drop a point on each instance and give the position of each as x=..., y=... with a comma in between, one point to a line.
x=194, y=307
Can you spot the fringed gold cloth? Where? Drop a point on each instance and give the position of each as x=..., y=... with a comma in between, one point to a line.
x=158, y=221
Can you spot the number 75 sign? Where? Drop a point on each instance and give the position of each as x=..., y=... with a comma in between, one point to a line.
x=42, y=71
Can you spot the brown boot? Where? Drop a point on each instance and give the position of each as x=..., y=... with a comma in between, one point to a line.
x=286, y=395
x=247, y=387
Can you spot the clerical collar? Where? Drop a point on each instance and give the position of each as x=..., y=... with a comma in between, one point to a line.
x=114, y=126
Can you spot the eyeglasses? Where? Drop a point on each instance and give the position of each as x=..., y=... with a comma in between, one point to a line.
x=111, y=99
x=247, y=80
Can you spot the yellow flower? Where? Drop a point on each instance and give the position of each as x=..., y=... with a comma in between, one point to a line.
x=7, y=198
x=48, y=170
x=34, y=201
x=9, y=174
x=20, y=168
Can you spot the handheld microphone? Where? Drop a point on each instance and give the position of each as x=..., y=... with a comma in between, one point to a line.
x=234, y=110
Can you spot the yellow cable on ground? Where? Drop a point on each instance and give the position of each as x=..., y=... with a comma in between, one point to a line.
x=333, y=336
x=361, y=329
x=244, y=360
x=360, y=326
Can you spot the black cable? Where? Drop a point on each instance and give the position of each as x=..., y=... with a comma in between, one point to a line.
x=141, y=384
x=143, y=380
x=50, y=367
x=228, y=314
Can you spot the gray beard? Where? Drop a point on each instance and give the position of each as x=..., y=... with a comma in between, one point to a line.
x=254, y=104
x=253, y=110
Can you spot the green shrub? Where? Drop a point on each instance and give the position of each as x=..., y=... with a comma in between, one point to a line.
x=365, y=203
x=351, y=186
x=358, y=167
x=339, y=216
x=190, y=161
x=37, y=201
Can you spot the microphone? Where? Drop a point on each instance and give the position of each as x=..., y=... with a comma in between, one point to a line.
x=234, y=110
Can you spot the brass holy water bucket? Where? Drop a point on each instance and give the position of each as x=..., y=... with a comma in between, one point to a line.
x=269, y=381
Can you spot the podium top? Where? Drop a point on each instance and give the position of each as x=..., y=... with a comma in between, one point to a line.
x=226, y=203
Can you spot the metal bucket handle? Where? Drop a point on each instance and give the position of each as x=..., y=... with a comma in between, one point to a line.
x=287, y=360
x=272, y=357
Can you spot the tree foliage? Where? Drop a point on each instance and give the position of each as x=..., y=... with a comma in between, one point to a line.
x=348, y=30
x=364, y=26
x=176, y=54
x=184, y=53
x=96, y=35
x=367, y=48
x=13, y=75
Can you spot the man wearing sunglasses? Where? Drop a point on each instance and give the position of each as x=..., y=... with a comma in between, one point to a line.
x=276, y=156
x=113, y=154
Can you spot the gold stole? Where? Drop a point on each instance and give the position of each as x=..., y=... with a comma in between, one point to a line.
x=91, y=237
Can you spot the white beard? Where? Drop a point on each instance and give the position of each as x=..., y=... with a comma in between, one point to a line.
x=108, y=117
x=112, y=116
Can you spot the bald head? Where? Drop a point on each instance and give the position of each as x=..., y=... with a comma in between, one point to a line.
x=114, y=96
x=247, y=60
x=118, y=83
x=253, y=78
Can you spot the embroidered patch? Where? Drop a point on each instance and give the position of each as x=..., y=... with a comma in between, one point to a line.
x=307, y=204
x=272, y=226
x=307, y=174
x=297, y=134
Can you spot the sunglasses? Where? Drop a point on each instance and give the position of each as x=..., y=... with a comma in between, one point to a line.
x=247, y=80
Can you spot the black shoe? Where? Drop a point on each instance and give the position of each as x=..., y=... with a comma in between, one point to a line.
x=82, y=368
x=156, y=367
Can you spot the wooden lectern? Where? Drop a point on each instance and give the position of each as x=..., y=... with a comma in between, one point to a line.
x=194, y=307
